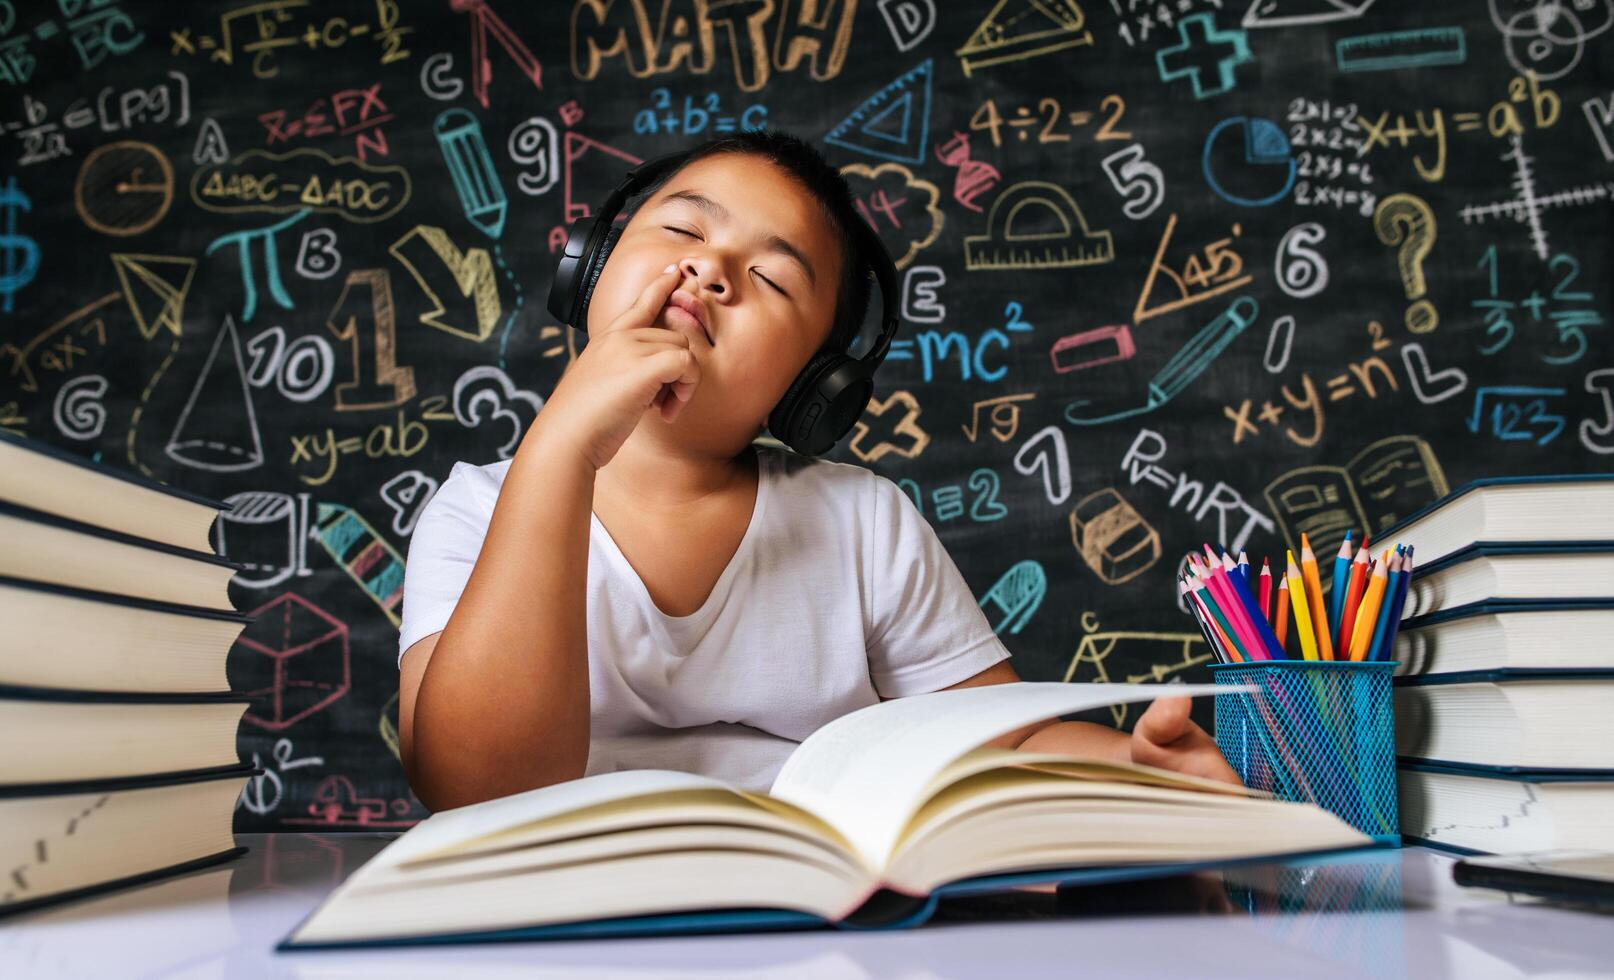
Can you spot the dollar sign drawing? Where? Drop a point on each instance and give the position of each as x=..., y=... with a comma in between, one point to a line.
x=19, y=256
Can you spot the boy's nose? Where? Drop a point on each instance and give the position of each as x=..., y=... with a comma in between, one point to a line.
x=701, y=269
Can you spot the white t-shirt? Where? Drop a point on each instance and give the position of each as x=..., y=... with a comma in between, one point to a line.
x=839, y=589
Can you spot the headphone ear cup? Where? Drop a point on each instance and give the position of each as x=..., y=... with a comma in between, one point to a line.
x=591, y=274
x=821, y=405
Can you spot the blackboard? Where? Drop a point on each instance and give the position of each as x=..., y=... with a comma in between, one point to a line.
x=1171, y=273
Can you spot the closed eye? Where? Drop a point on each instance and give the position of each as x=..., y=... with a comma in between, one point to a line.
x=685, y=231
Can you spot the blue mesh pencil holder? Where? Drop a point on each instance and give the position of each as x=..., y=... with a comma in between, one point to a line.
x=1318, y=731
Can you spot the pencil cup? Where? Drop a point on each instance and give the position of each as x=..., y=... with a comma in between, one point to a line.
x=1317, y=731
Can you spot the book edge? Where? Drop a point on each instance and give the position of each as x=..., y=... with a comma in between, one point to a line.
x=1482, y=483
x=119, y=783
x=134, y=602
x=29, y=692
x=33, y=516
x=32, y=445
x=1499, y=549
x=118, y=884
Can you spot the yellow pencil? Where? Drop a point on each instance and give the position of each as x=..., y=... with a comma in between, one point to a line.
x=1362, y=638
x=1314, y=598
x=1308, y=641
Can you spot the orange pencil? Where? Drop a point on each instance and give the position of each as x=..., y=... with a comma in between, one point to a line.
x=1363, y=635
x=1305, y=634
x=1315, y=606
x=1353, y=591
x=1282, y=621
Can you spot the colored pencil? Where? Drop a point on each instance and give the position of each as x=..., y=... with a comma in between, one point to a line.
x=1221, y=645
x=1317, y=610
x=1244, y=570
x=1353, y=592
x=1258, y=623
x=1208, y=597
x=1363, y=633
x=1211, y=630
x=1342, y=572
x=1229, y=566
x=1265, y=598
x=1281, y=624
x=1297, y=588
x=1392, y=591
x=1387, y=652
x=1221, y=588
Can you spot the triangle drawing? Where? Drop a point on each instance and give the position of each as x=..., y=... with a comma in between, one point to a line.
x=155, y=287
x=1018, y=29
x=222, y=437
x=1292, y=13
x=894, y=123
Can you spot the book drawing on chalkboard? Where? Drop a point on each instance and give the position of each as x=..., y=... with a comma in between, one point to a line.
x=120, y=728
x=1375, y=488
x=871, y=819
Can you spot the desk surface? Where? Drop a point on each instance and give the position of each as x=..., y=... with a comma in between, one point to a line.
x=1391, y=913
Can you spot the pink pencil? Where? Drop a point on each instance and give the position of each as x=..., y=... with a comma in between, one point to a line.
x=1233, y=609
x=1266, y=590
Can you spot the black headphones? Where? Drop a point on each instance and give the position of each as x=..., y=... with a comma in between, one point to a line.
x=825, y=399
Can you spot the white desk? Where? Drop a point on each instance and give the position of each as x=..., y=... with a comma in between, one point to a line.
x=1392, y=913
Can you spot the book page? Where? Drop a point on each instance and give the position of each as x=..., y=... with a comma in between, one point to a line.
x=866, y=772
x=449, y=827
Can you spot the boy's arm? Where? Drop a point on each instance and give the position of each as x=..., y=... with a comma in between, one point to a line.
x=1053, y=735
x=503, y=703
x=1164, y=736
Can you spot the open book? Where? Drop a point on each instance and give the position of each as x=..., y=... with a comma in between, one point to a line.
x=869, y=820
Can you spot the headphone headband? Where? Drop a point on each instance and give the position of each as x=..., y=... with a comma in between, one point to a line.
x=828, y=395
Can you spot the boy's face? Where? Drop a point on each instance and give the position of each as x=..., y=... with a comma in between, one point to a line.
x=730, y=222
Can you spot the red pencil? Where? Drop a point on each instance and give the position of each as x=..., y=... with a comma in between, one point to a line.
x=1360, y=569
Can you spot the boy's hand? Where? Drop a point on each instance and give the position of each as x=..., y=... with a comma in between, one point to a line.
x=1166, y=738
x=624, y=369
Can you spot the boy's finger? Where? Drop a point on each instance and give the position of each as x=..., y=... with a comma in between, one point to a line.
x=1165, y=721
x=689, y=376
x=654, y=296
x=651, y=299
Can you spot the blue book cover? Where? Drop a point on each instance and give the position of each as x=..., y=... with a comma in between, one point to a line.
x=1497, y=606
x=1491, y=549
x=1523, y=774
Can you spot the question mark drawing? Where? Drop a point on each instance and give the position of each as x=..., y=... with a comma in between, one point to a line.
x=1405, y=221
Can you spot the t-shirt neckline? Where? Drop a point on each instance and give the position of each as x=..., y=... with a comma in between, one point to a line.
x=720, y=587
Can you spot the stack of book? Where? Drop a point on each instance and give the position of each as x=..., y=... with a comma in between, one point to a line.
x=120, y=762
x=1505, y=675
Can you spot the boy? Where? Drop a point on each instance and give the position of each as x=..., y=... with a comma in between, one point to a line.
x=640, y=586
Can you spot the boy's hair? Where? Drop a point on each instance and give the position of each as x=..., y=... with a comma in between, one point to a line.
x=801, y=160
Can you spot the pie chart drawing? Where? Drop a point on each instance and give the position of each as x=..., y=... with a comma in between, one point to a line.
x=1248, y=161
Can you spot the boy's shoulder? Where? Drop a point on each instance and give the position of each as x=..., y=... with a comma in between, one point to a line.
x=472, y=486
